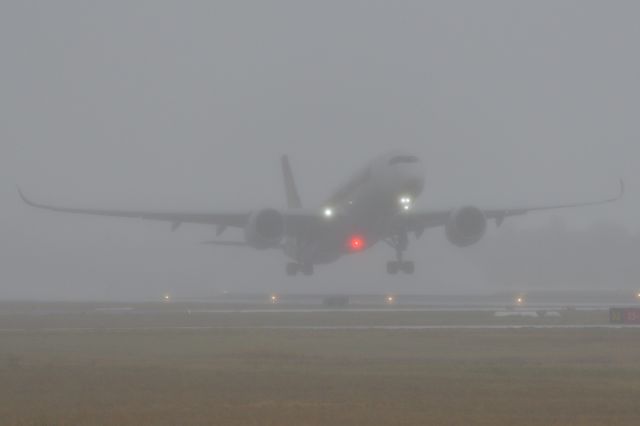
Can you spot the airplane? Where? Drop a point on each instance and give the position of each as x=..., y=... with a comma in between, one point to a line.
x=375, y=205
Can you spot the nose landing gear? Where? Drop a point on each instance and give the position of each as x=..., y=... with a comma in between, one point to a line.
x=400, y=244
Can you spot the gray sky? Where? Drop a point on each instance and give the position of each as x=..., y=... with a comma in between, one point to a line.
x=157, y=104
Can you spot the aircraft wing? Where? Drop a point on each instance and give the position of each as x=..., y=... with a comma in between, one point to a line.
x=418, y=221
x=298, y=222
x=222, y=220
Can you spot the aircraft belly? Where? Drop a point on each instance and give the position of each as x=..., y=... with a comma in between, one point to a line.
x=334, y=243
x=318, y=251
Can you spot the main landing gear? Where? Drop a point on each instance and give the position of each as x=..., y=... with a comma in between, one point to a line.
x=400, y=244
x=407, y=266
x=294, y=268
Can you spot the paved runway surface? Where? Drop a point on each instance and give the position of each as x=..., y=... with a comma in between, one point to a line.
x=86, y=317
x=320, y=327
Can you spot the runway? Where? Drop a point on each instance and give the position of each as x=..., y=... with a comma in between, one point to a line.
x=389, y=309
x=319, y=328
x=182, y=316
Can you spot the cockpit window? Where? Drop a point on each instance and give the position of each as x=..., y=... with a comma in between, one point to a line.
x=403, y=159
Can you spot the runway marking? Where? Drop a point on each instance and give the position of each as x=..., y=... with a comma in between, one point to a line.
x=319, y=327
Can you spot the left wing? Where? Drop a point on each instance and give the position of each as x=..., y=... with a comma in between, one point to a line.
x=417, y=222
x=298, y=222
x=220, y=219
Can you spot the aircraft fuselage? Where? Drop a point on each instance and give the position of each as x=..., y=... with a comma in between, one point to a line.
x=362, y=211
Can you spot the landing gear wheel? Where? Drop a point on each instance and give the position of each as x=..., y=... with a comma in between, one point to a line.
x=408, y=267
x=393, y=267
x=307, y=269
x=292, y=269
x=399, y=242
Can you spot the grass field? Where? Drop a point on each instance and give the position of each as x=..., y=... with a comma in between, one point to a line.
x=321, y=377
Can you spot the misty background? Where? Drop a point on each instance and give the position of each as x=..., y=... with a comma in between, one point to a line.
x=188, y=105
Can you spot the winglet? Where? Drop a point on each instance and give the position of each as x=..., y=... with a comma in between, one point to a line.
x=293, y=199
x=25, y=199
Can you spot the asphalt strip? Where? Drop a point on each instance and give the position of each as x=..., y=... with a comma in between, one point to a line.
x=318, y=327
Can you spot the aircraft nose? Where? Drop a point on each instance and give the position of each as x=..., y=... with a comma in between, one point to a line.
x=414, y=185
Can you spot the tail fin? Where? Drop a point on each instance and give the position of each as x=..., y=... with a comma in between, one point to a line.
x=293, y=199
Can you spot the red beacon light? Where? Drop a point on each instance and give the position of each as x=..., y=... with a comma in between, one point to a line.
x=356, y=243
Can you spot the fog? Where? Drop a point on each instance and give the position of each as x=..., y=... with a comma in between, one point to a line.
x=188, y=105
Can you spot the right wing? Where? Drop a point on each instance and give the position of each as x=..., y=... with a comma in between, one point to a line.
x=419, y=221
x=219, y=219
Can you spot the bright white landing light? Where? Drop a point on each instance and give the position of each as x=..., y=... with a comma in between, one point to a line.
x=328, y=212
x=405, y=203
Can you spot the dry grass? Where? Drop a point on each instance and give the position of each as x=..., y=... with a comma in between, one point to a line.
x=276, y=377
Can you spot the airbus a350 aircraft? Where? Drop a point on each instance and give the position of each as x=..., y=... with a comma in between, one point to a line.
x=375, y=205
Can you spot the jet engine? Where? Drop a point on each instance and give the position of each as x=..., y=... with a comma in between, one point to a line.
x=265, y=229
x=466, y=226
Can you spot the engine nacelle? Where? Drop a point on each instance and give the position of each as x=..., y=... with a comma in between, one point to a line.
x=466, y=226
x=265, y=229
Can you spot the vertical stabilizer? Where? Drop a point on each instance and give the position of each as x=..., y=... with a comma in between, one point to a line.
x=293, y=199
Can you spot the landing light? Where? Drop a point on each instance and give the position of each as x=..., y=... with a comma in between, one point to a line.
x=390, y=299
x=519, y=301
x=274, y=298
x=328, y=212
x=166, y=298
x=405, y=202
